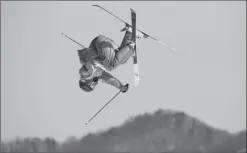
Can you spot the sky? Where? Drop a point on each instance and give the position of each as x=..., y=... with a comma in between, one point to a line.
x=206, y=77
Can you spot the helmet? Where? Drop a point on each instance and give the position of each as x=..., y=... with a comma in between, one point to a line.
x=88, y=81
x=88, y=86
x=85, y=86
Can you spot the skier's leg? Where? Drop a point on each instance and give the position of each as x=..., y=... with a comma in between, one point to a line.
x=125, y=50
x=108, y=49
x=105, y=49
x=97, y=42
x=126, y=40
x=113, y=56
x=93, y=45
x=123, y=55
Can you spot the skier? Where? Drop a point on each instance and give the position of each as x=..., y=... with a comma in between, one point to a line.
x=103, y=51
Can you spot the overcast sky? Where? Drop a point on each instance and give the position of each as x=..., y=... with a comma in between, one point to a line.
x=205, y=78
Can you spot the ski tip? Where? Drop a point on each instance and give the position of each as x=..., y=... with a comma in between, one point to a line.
x=86, y=123
x=132, y=10
x=96, y=5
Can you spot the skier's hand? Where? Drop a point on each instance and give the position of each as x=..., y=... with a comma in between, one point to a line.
x=125, y=88
x=132, y=44
x=139, y=35
x=95, y=79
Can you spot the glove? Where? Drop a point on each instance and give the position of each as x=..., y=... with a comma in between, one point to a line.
x=125, y=88
x=95, y=79
x=132, y=44
x=139, y=34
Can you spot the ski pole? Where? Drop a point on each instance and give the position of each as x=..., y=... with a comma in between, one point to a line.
x=103, y=107
x=73, y=40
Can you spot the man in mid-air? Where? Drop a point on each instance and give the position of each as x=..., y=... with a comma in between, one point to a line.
x=104, y=55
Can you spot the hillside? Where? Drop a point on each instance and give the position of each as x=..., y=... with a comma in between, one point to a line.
x=161, y=131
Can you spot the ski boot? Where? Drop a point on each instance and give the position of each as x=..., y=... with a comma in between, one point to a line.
x=139, y=35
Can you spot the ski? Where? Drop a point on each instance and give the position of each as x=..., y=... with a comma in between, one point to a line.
x=127, y=25
x=136, y=67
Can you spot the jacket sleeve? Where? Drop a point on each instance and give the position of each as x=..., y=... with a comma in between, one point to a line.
x=109, y=79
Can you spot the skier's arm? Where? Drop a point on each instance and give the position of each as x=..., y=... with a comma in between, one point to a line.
x=109, y=79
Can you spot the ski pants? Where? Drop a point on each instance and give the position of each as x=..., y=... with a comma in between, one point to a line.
x=112, y=54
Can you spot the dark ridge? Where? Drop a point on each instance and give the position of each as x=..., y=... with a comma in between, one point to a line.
x=160, y=131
